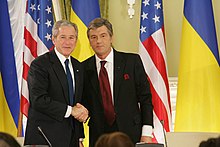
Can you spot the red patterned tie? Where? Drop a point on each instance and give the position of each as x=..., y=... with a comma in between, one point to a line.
x=106, y=94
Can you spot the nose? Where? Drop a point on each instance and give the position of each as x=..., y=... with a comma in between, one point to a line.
x=99, y=39
x=67, y=41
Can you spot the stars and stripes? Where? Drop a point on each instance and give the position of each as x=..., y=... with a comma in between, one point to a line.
x=151, y=18
x=153, y=53
x=38, y=40
x=42, y=18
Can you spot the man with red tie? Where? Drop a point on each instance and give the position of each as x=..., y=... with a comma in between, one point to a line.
x=116, y=90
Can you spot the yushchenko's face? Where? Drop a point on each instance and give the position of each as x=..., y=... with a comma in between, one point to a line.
x=101, y=41
x=65, y=41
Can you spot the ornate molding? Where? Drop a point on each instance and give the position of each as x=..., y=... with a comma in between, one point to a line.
x=131, y=10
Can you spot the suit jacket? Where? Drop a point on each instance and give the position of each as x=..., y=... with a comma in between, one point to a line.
x=131, y=92
x=48, y=94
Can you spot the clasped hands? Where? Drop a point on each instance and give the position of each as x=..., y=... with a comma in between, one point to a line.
x=80, y=113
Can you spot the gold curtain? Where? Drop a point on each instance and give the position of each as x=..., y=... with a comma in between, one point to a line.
x=104, y=5
x=68, y=8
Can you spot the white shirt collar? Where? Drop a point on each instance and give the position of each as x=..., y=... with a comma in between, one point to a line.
x=109, y=58
x=61, y=57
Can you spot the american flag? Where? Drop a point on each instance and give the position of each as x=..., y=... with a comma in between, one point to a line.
x=153, y=54
x=37, y=39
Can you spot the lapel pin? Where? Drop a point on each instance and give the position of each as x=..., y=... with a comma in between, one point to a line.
x=126, y=76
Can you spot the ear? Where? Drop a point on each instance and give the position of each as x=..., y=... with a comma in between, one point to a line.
x=53, y=40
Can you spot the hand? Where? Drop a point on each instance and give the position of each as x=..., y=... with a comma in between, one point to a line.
x=146, y=139
x=81, y=144
x=80, y=113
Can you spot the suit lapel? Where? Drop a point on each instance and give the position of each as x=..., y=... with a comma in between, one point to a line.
x=58, y=69
x=119, y=65
x=93, y=75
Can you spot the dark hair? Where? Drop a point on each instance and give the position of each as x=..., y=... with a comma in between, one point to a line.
x=211, y=142
x=116, y=139
x=8, y=140
x=99, y=22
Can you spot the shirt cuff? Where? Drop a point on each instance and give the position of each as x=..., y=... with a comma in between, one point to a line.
x=68, y=112
x=81, y=139
x=147, y=130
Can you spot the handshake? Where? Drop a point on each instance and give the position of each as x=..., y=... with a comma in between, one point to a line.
x=80, y=113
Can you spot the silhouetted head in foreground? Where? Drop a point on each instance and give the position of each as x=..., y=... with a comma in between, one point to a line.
x=6, y=140
x=211, y=142
x=116, y=139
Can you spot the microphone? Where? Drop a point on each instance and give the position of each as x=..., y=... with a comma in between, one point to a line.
x=164, y=134
x=45, y=137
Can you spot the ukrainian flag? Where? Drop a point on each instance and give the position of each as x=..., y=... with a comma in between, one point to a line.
x=9, y=93
x=198, y=94
x=82, y=12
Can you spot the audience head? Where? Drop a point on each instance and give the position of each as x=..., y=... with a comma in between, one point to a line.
x=6, y=140
x=211, y=142
x=116, y=139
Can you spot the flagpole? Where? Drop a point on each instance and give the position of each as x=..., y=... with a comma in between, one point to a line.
x=19, y=133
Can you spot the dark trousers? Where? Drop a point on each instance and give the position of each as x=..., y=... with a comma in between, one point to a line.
x=110, y=129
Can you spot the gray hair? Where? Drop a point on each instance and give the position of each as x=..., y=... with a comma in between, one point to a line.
x=60, y=23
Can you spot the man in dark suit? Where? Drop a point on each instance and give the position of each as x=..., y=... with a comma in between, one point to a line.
x=55, y=83
x=130, y=109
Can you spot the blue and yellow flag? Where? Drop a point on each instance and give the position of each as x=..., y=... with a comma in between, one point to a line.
x=198, y=95
x=82, y=12
x=9, y=93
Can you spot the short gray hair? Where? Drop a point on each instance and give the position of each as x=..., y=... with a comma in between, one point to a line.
x=60, y=23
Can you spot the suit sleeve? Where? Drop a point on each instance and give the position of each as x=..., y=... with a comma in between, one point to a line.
x=143, y=92
x=39, y=86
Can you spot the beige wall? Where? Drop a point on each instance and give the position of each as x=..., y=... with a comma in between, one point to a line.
x=126, y=30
